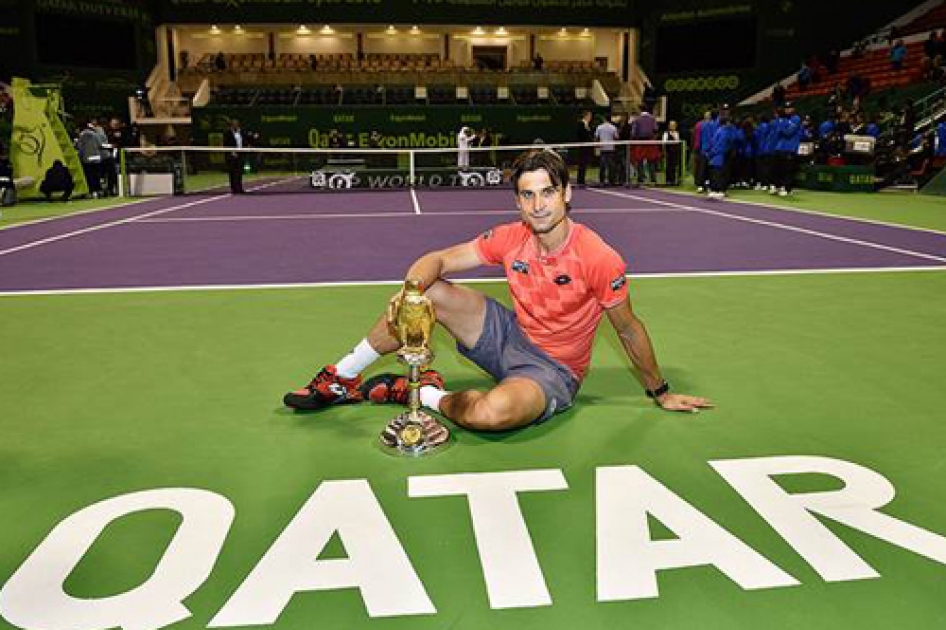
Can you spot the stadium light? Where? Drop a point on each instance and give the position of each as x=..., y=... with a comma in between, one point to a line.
x=238, y=29
x=501, y=30
x=391, y=30
x=303, y=30
x=479, y=31
x=563, y=31
x=327, y=30
x=415, y=30
x=214, y=29
x=585, y=32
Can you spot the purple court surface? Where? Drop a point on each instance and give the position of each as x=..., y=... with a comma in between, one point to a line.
x=273, y=237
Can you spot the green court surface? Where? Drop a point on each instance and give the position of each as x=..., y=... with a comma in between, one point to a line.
x=103, y=395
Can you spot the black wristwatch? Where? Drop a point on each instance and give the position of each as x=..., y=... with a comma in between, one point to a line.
x=662, y=389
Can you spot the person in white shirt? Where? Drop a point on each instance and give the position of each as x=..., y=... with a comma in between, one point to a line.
x=606, y=134
x=464, y=140
x=672, y=153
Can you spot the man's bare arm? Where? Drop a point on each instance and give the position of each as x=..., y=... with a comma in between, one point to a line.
x=633, y=335
x=434, y=265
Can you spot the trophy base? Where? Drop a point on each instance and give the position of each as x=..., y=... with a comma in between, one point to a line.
x=415, y=433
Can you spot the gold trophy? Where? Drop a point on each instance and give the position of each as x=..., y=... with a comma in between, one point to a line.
x=414, y=432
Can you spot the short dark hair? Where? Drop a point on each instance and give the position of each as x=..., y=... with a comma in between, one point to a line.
x=540, y=159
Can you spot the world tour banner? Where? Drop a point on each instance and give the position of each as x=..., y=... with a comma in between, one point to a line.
x=558, y=12
x=401, y=128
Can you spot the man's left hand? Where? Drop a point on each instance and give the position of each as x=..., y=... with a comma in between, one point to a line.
x=682, y=402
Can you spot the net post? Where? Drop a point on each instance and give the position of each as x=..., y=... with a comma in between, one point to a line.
x=183, y=171
x=684, y=159
x=410, y=173
x=122, y=173
x=628, y=175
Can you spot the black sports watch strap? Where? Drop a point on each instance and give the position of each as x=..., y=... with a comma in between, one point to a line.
x=662, y=389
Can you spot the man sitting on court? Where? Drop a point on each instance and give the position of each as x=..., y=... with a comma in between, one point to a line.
x=58, y=179
x=562, y=276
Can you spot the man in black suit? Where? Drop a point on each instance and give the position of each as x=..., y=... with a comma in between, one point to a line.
x=585, y=133
x=235, y=137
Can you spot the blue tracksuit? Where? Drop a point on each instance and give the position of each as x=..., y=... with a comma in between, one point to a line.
x=771, y=138
x=707, y=131
x=941, y=140
x=789, y=135
x=724, y=141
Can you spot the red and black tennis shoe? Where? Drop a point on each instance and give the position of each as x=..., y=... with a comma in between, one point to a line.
x=327, y=388
x=393, y=388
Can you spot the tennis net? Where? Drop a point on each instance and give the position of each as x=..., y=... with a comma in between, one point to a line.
x=188, y=170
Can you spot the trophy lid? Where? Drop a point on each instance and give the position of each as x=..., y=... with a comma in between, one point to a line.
x=413, y=285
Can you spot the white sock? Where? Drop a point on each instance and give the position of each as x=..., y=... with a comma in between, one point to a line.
x=430, y=397
x=354, y=363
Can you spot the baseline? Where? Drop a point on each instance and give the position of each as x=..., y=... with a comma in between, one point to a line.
x=392, y=215
x=500, y=279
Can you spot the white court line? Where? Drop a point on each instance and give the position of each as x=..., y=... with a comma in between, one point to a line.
x=205, y=189
x=390, y=215
x=377, y=283
x=102, y=226
x=817, y=213
x=416, y=201
x=78, y=213
x=781, y=226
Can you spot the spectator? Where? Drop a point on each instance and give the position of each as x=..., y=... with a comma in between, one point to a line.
x=764, y=145
x=672, y=154
x=644, y=157
x=778, y=95
x=622, y=154
x=719, y=154
x=313, y=62
x=699, y=162
x=832, y=60
x=7, y=185
x=893, y=34
x=805, y=75
x=234, y=137
x=786, y=149
x=907, y=121
x=90, y=146
x=836, y=98
x=933, y=57
x=707, y=133
x=538, y=62
x=57, y=179
x=220, y=61
x=940, y=142
x=860, y=46
x=584, y=133
x=898, y=53
x=931, y=46
x=606, y=134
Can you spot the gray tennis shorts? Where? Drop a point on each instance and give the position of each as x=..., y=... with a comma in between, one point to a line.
x=503, y=350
